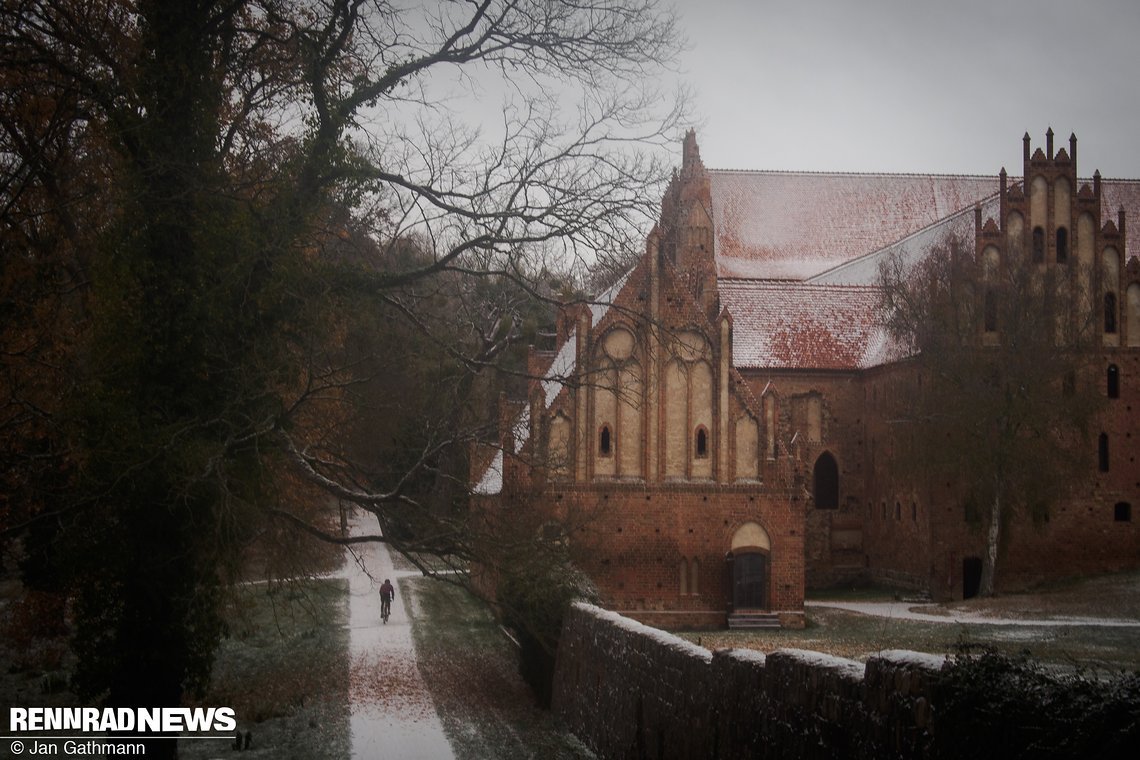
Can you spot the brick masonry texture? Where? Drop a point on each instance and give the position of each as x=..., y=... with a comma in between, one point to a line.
x=746, y=348
x=630, y=691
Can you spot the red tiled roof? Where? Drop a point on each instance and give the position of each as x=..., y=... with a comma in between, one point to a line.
x=791, y=325
x=1115, y=193
x=796, y=225
x=788, y=225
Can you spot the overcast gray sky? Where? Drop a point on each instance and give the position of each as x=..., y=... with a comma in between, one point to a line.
x=913, y=85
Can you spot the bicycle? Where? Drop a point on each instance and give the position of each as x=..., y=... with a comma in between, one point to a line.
x=387, y=591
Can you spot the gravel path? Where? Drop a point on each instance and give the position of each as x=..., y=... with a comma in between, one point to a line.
x=393, y=715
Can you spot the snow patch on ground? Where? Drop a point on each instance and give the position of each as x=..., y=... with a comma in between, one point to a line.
x=932, y=613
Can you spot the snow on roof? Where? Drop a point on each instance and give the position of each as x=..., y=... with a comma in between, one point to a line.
x=520, y=428
x=561, y=368
x=565, y=360
x=865, y=269
x=1115, y=193
x=601, y=305
x=794, y=225
x=492, y=481
x=788, y=325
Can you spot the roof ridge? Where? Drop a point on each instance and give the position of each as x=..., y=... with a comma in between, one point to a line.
x=932, y=175
x=771, y=283
x=826, y=173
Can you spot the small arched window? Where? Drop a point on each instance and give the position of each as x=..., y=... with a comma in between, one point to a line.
x=1113, y=381
x=1102, y=452
x=702, y=442
x=605, y=442
x=1110, y=312
x=1062, y=245
x=1038, y=245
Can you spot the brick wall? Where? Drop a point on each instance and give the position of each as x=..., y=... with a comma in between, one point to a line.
x=630, y=539
x=629, y=691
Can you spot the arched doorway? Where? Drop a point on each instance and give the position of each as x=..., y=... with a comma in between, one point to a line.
x=749, y=562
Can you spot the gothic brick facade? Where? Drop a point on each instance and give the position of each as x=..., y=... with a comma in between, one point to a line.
x=712, y=434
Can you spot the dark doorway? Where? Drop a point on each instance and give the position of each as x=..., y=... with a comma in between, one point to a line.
x=971, y=577
x=750, y=581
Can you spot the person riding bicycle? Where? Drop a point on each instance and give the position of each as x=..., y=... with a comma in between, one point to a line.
x=387, y=591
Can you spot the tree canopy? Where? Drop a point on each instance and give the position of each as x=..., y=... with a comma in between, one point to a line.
x=260, y=250
x=1004, y=398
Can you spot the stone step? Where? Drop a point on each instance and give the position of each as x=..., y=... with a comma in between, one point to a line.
x=751, y=619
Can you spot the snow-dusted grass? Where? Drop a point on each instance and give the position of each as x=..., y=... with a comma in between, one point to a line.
x=1077, y=609
x=284, y=670
x=471, y=669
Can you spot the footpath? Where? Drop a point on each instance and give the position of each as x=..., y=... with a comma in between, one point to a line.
x=933, y=613
x=393, y=715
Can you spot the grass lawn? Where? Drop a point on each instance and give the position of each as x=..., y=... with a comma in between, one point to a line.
x=858, y=636
x=284, y=670
x=471, y=669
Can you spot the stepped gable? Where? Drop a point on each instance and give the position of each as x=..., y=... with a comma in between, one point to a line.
x=792, y=226
x=806, y=327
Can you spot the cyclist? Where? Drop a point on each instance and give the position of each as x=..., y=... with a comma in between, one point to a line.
x=387, y=591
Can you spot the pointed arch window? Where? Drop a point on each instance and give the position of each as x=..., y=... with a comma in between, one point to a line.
x=1113, y=381
x=702, y=442
x=1062, y=245
x=1038, y=245
x=605, y=441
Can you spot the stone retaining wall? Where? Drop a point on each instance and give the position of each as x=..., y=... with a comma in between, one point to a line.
x=630, y=691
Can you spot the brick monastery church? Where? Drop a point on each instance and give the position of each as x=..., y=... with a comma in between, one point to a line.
x=705, y=435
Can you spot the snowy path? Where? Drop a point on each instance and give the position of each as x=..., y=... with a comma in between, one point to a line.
x=393, y=716
x=911, y=611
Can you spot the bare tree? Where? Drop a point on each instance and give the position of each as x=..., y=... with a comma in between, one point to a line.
x=214, y=197
x=1006, y=400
